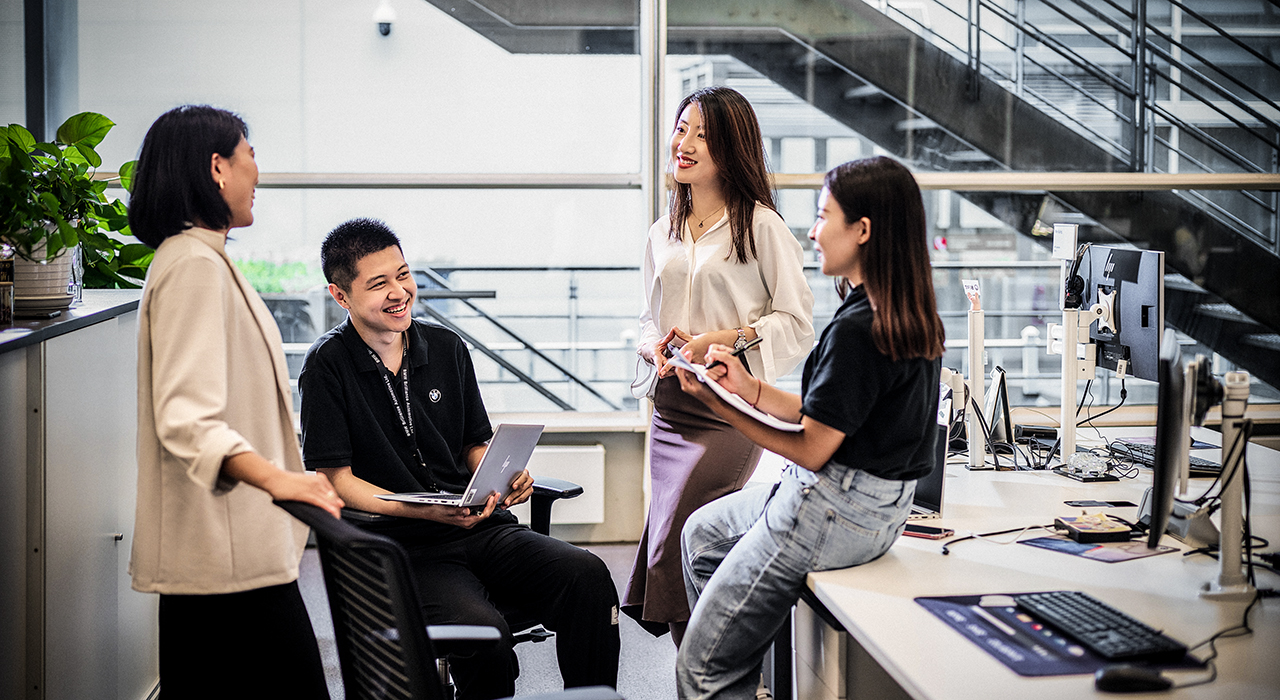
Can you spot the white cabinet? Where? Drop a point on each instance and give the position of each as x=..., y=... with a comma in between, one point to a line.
x=77, y=629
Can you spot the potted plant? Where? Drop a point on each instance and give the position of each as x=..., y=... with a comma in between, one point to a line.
x=51, y=201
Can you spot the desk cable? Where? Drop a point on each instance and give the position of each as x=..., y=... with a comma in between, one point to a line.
x=1241, y=630
x=983, y=536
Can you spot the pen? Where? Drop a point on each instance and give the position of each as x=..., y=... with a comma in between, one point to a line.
x=738, y=353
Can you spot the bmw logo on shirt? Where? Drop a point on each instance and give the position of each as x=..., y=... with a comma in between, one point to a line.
x=434, y=396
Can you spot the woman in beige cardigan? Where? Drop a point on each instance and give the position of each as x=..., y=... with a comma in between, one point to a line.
x=216, y=441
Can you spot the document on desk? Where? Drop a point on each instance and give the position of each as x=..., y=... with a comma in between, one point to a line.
x=1109, y=552
x=733, y=399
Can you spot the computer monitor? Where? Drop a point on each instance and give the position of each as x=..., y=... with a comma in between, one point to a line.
x=1171, y=436
x=1131, y=283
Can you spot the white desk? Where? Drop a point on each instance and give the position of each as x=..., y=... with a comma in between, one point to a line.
x=927, y=659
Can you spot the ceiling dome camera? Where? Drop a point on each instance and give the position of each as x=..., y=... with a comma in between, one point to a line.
x=384, y=16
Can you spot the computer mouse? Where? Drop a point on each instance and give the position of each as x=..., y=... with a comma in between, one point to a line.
x=1127, y=678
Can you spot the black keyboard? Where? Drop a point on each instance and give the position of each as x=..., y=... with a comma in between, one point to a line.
x=1145, y=455
x=1101, y=628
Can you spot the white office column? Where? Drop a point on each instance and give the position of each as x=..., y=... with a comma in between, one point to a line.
x=1065, y=237
x=653, y=53
x=1067, y=414
x=977, y=375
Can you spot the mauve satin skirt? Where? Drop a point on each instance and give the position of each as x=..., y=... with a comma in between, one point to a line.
x=695, y=458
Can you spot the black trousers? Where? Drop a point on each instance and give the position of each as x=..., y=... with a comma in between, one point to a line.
x=565, y=588
x=253, y=644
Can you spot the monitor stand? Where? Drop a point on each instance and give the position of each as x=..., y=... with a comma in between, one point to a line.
x=1232, y=583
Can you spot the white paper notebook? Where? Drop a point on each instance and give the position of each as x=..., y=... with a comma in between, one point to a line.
x=733, y=399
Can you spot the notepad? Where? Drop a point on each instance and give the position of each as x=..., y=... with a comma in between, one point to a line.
x=733, y=399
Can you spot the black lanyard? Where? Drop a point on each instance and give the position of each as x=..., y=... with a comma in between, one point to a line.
x=405, y=414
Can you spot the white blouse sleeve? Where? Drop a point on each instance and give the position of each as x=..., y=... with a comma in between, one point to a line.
x=649, y=332
x=788, y=327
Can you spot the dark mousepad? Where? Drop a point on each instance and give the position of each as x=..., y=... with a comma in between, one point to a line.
x=1028, y=648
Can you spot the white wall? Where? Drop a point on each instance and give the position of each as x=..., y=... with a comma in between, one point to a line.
x=12, y=67
x=322, y=91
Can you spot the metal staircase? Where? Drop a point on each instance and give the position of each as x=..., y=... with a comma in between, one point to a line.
x=1062, y=85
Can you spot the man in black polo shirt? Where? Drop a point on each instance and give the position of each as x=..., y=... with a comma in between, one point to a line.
x=390, y=404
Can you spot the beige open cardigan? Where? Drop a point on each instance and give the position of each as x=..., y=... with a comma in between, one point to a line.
x=212, y=382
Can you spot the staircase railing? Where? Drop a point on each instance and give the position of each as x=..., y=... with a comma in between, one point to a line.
x=428, y=278
x=1115, y=74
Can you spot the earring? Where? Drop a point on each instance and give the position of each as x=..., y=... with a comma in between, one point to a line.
x=222, y=184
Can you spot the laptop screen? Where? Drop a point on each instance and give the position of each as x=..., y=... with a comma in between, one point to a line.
x=928, y=496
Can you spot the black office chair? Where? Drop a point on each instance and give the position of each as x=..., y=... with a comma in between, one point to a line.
x=546, y=491
x=385, y=649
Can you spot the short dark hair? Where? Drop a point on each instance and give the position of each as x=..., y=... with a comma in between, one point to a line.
x=896, y=271
x=172, y=187
x=348, y=244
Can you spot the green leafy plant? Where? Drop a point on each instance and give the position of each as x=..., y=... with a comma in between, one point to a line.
x=50, y=201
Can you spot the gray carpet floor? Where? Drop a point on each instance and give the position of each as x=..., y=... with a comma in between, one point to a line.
x=646, y=668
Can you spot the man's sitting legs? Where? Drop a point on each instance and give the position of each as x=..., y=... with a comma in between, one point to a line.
x=565, y=588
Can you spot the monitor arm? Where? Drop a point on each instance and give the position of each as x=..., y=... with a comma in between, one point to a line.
x=1064, y=340
x=1232, y=584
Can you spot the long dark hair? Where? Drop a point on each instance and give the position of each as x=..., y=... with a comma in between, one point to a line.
x=172, y=187
x=896, y=272
x=737, y=148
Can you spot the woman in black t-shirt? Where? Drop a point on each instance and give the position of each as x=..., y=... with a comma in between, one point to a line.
x=868, y=406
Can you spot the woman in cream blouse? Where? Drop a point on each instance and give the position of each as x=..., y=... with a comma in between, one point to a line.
x=216, y=441
x=722, y=267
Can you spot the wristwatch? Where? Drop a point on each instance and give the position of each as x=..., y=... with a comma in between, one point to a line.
x=741, y=342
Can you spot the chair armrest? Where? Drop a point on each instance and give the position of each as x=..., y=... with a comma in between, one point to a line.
x=547, y=491
x=363, y=517
x=462, y=639
x=591, y=692
x=555, y=489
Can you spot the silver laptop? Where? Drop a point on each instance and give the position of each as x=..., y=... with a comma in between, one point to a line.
x=508, y=453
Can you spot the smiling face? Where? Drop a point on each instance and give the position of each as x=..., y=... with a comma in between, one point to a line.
x=689, y=153
x=381, y=296
x=237, y=177
x=839, y=241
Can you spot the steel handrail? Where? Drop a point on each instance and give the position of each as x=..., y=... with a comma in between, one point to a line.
x=1140, y=59
x=1249, y=49
x=1084, y=92
x=1223, y=149
x=1096, y=34
x=1063, y=50
x=444, y=283
x=1196, y=162
x=476, y=343
x=1226, y=94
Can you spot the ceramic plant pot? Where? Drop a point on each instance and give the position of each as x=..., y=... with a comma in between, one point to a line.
x=41, y=290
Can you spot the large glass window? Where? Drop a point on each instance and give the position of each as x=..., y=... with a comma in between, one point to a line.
x=506, y=142
x=13, y=102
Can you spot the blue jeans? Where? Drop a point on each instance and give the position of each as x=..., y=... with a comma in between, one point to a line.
x=747, y=555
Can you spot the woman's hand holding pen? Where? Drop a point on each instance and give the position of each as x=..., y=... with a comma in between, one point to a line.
x=725, y=368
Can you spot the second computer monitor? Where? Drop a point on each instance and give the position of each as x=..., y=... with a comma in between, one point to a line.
x=1171, y=436
x=1131, y=283
x=996, y=410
